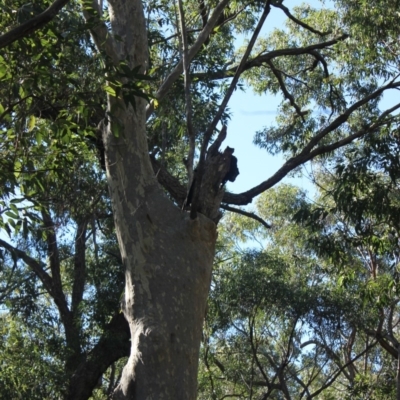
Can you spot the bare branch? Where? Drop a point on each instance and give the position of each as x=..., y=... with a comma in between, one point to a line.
x=217, y=117
x=188, y=98
x=264, y=58
x=297, y=21
x=308, y=154
x=33, y=24
x=246, y=214
x=278, y=75
x=174, y=75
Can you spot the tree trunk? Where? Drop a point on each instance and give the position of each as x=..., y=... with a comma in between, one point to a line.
x=167, y=256
x=168, y=259
x=167, y=283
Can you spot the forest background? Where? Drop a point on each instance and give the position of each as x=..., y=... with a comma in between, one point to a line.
x=304, y=294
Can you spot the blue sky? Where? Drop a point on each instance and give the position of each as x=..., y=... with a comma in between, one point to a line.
x=252, y=112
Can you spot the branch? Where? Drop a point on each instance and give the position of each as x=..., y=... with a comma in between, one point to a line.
x=188, y=99
x=79, y=267
x=348, y=350
x=232, y=87
x=297, y=21
x=285, y=361
x=338, y=372
x=294, y=374
x=39, y=269
x=264, y=58
x=208, y=134
x=11, y=106
x=68, y=320
x=100, y=34
x=278, y=75
x=390, y=349
x=178, y=191
x=341, y=119
x=254, y=353
x=113, y=345
x=329, y=352
x=362, y=132
x=174, y=75
x=321, y=59
x=172, y=184
x=308, y=154
x=52, y=251
x=33, y=24
x=164, y=40
x=207, y=364
x=246, y=214
x=214, y=148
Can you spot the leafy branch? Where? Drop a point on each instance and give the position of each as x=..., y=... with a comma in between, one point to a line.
x=33, y=24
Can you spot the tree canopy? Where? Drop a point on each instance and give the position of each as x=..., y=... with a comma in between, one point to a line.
x=112, y=118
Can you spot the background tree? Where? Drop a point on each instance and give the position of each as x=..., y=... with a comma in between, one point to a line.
x=120, y=93
x=301, y=315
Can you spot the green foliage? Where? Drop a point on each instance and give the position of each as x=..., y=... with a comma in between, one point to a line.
x=28, y=369
x=318, y=291
x=292, y=310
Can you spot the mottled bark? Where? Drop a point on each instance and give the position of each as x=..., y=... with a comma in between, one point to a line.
x=168, y=259
x=167, y=256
